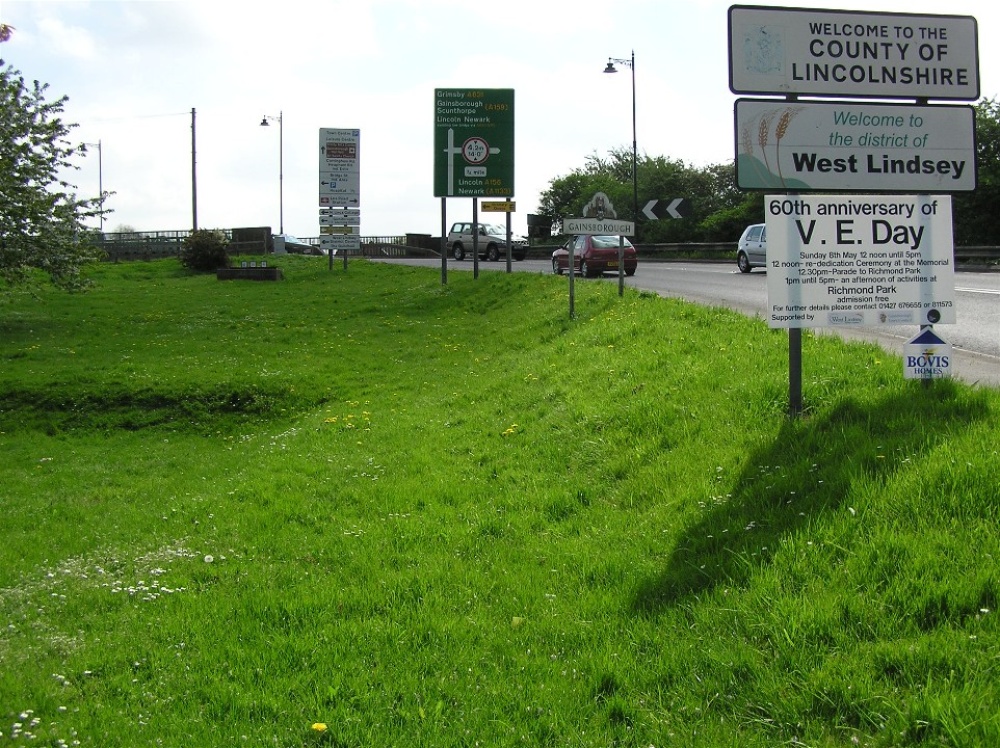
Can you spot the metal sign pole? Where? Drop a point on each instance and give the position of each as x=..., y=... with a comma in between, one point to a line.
x=794, y=354
x=475, y=238
x=795, y=370
x=572, y=273
x=444, y=243
x=621, y=265
x=509, y=240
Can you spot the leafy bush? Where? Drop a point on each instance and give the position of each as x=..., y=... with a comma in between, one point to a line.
x=205, y=250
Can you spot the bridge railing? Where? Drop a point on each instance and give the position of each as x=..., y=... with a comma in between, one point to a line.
x=152, y=245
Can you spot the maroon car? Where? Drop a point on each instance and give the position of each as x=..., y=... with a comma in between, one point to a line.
x=594, y=255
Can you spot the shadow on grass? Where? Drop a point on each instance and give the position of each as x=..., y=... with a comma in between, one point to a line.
x=807, y=469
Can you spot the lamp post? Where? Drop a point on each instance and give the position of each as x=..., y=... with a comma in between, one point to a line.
x=635, y=184
x=266, y=122
x=100, y=183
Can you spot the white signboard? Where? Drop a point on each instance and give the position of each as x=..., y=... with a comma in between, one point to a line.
x=854, y=146
x=598, y=227
x=340, y=217
x=926, y=357
x=786, y=51
x=339, y=167
x=868, y=260
x=340, y=241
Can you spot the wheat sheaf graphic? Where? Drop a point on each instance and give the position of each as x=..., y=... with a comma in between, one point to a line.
x=783, y=122
x=784, y=117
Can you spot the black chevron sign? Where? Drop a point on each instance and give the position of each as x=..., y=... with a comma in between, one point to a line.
x=676, y=208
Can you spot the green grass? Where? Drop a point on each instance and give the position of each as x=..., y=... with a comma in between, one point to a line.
x=432, y=515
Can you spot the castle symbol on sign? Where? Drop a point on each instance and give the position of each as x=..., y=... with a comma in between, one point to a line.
x=599, y=207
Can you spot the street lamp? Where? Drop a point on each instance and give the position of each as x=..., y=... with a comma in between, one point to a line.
x=266, y=122
x=635, y=184
x=100, y=182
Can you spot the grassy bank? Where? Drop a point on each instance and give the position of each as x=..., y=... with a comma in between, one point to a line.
x=451, y=516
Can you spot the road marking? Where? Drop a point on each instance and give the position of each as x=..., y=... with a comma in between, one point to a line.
x=994, y=291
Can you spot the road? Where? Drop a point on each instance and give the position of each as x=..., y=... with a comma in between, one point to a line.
x=975, y=337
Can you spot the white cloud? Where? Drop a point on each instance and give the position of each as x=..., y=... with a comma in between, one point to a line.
x=73, y=42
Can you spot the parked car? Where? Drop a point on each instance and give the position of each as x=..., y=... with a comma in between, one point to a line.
x=289, y=243
x=751, y=252
x=492, y=242
x=594, y=255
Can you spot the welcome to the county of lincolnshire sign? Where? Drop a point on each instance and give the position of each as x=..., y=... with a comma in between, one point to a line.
x=839, y=53
x=823, y=145
x=474, y=142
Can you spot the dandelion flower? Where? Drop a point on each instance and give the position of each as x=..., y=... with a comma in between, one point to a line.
x=319, y=726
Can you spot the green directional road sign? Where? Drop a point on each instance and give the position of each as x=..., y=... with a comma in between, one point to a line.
x=474, y=142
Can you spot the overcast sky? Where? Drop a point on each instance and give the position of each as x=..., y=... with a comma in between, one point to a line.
x=134, y=70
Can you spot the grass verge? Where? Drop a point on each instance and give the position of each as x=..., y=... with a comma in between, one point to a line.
x=451, y=516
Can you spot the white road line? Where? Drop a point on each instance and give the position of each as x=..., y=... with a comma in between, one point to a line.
x=994, y=291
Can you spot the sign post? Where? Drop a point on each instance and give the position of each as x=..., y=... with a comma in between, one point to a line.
x=474, y=142
x=838, y=54
x=868, y=259
x=600, y=220
x=861, y=260
x=926, y=357
x=339, y=190
x=822, y=145
x=676, y=208
x=473, y=149
x=498, y=206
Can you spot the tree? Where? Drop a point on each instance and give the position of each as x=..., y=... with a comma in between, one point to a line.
x=41, y=219
x=733, y=209
x=977, y=221
x=719, y=211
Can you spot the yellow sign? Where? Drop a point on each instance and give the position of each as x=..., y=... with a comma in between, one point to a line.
x=338, y=229
x=498, y=206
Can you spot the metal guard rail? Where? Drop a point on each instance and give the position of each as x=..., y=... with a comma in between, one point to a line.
x=162, y=244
